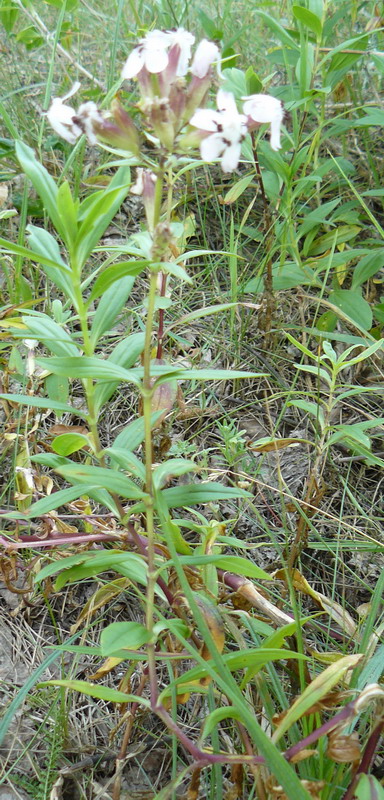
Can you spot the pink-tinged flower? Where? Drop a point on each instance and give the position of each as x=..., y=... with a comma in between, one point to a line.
x=225, y=129
x=180, y=42
x=151, y=53
x=207, y=53
x=61, y=117
x=261, y=108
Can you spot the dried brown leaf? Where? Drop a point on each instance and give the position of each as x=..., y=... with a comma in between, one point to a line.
x=343, y=748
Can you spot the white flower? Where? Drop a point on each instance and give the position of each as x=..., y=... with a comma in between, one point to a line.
x=87, y=114
x=61, y=117
x=151, y=52
x=265, y=108
x=227, y=128
x=69, y=123
x=206, y=54
x=183, y=40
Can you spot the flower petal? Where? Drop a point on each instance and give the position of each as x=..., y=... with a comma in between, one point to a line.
x=60, y=118
x=156, y=60
x=212, y=147
x=226, y=102
x=275, y=135
x=230, y=158
x=263, y=108
x=133, y=64
x=205, y=119
x=207, y=52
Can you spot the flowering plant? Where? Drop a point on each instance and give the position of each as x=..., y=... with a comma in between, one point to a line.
x=170, y=104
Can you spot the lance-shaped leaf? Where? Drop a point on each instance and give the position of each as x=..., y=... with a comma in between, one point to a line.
x=97, y=211
x=123, y=636
x=109, y=479
x=236, y=564
x=319, y=687
x=170, y=469
x=125, y=354
x=113, y=273
x=43, y=182
x=110, y=306
x=85, y=565
x=42, y=402
x=88, y=367
x=235, y=661
x=100, y=692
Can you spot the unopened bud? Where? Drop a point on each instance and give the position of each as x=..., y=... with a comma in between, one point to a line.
x=145, y=186
x=162, y=238
x=120, y=131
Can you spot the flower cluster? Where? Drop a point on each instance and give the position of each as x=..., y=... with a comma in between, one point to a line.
x=174, y=88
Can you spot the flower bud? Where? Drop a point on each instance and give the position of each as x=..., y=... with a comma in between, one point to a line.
x=146, y=187
x=161, y=119
x=120, y=131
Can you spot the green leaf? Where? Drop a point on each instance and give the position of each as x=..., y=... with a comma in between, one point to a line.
x=100, y=692
x=126, y=353
x=121, y=636
x=171, y=468
x=208, y=25
x=237, y=189
x=127, y=460
x=92, y=367
x=57, y=387
x=109, y=479
x=317, y=689
x=110, y=306
x=68, y=443
x=235, y=82
x=172, y=268
x=316, y=371
x=353, y=306
x=114, y=273
x=254, y=84
x=309, y=19
x=42, y=402
x=216, y=716
x=236, y=564
x=42, y=242
x=8, y=15
x=179, y=496
x=94, y=563
x=43, y=183
x=201, y=312
x=369, y=788
x=311, y=408
x=367, y=267
x=57, y=499
x=68, y=212
x=97, y=212
x=30, y=255
x=283, y=35
x=238, y=660
x=133, y=434
x=344, y=233
x=46, y=330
